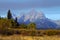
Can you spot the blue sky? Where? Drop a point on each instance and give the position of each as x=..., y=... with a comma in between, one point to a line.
x=51, y=8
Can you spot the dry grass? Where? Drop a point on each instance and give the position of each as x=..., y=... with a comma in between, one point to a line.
x=19, y=37
x=28, y=35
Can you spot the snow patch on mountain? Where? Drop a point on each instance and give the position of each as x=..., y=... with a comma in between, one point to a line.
x=34, y=15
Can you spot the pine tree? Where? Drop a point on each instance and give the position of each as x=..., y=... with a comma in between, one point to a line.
x=9, y=15
x=16, y=19
x=17, y=24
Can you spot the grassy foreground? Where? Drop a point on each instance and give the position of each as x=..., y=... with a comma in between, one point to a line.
x=19, y=37
x=24, y=34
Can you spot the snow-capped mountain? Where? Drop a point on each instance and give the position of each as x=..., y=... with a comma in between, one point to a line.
x=34, y=15
x=39, y=18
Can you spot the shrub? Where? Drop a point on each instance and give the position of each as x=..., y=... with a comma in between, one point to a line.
x=49, y=33
x=6, y=31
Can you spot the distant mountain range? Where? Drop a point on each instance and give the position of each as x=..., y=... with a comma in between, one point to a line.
x=57, y=22
x=39, y=18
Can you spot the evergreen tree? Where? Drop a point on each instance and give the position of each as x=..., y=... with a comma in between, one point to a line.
x=16, y=19
x=9, y=15
x=17, y=24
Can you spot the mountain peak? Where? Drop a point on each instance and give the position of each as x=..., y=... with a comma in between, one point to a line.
x=34, y=15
